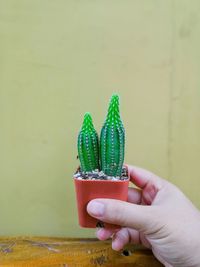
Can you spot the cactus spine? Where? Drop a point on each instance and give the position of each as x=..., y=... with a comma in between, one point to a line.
x=112, y=140
x=88, y=145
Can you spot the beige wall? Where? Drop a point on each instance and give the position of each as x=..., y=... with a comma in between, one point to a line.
x=59, y=59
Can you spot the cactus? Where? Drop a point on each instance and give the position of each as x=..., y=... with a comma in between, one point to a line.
x=112, y=140
x=110, y=154
x=88, y=145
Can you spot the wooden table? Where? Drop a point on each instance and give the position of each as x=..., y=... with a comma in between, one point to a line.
x=67, y=252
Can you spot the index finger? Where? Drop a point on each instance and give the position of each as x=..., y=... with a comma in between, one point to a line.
x=141, y=177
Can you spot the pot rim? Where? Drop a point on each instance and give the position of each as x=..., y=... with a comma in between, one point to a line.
x=100, y=180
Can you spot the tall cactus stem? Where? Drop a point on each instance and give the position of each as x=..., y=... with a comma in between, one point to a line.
x=112, y=140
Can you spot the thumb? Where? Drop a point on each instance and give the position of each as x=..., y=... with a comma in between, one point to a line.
x=122, y=213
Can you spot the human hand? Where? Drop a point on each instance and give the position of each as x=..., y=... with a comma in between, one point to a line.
x=158, y=215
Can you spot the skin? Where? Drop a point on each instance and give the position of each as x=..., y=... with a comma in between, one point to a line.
x=157, y=215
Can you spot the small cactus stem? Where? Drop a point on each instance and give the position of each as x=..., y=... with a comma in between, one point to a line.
x=112, y=140
x=88, y=145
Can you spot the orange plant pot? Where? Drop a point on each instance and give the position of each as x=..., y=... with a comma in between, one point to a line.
x=87, y=190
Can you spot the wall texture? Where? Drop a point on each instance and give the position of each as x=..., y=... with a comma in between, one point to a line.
x=59, y=59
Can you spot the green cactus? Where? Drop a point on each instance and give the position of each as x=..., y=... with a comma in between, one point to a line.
x=112, y=140
x=88, y=145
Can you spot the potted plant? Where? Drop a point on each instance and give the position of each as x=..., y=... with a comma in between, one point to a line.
x=101, y=173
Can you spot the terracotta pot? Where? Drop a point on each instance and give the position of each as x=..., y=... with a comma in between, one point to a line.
x=87, y=190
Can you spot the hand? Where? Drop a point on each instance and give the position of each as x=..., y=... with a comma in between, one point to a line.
x=158, y=215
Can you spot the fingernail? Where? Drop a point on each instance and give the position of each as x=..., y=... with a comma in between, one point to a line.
x=152, y=192
x=96, y=208
x=115, y=245
x=99, y=231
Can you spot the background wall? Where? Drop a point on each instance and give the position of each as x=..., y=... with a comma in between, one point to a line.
x=59, y=59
